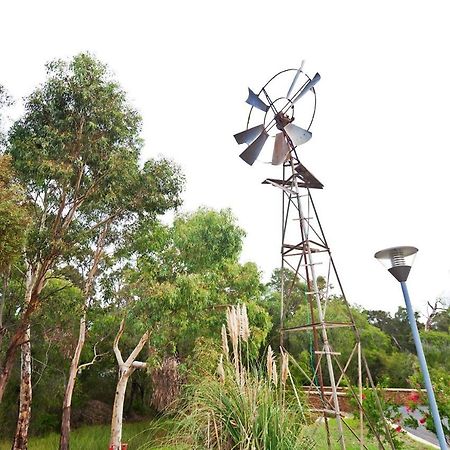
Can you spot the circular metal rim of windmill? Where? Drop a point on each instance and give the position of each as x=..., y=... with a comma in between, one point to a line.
x=273, y=78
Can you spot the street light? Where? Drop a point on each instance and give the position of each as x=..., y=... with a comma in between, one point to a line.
x=398, y=261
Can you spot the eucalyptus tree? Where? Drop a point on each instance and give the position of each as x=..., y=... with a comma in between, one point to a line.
x=76, y=151
x=173, y=290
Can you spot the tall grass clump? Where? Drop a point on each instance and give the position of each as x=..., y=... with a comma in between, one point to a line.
x=245, y=405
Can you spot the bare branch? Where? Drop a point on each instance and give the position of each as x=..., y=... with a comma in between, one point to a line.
x=44, y=364
x=95, y=357
x=67, y=220
x=433, y=309
x=56, y=290
x=139, y=365
x=116, y=343
x=109, y=219
x=138, y=348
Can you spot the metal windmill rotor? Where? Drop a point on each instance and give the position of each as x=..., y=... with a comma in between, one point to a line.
x=278, y=116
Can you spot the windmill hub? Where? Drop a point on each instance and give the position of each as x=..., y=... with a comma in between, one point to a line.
x=280, y=114
x=282, y=120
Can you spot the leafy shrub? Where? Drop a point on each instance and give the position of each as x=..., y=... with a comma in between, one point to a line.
x=375, y=418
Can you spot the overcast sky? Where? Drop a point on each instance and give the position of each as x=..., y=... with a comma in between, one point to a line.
x=380, y=138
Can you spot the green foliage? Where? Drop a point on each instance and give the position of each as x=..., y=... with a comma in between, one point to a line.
x=78, y=117
x=76, y=152
x=54, y=336
x=436, y=345
x=383, y=359
x=206, y=238
x=5, y=101
x=397, y=327
x=74, y=158
x=295, y=296
x=14, y=215
x=184, y=276
x=441, y=321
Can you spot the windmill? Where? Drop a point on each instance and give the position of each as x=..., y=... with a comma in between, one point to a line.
x=283, y=118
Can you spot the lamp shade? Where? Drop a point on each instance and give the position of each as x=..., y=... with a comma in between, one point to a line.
x=398, y=260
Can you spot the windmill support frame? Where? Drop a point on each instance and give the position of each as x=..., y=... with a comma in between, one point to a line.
x=298, y=207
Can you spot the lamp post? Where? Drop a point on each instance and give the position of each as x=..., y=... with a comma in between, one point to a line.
x=398, y=261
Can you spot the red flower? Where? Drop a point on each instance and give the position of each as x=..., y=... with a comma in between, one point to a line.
x=422, y=420
x=398, y=429
x=363, y=396
x=414, y=396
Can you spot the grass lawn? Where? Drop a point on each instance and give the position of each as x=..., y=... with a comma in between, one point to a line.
x=138, y=434
x=318, y=433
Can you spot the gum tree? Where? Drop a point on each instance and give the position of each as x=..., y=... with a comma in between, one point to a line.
x=174, y=286
x=76, y=152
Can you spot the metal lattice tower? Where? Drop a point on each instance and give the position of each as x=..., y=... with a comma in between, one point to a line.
x=306, y=255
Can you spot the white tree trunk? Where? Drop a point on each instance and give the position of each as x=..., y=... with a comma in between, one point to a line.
x=26, y=390
x=25, y=397
x=73, y=371
x=125, y=370
x=117, y=415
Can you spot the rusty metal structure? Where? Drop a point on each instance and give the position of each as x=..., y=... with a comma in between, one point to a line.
x=306, y=257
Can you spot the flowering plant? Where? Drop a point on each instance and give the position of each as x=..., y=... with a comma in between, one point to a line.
x=417, y=402
x=376, y=418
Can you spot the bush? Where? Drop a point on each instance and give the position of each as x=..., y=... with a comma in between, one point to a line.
x=375, y=418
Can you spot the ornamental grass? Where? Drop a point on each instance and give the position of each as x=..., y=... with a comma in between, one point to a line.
x=244, y=405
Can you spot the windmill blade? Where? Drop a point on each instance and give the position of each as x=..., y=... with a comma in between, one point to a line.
x=255, y=101
x=297, y=134
x=248, y=136
x=309, y=85
x=299, y=71
x=280, y=149
x=252, y=152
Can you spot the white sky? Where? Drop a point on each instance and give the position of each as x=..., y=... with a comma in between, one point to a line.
x=380, y=139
